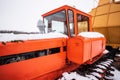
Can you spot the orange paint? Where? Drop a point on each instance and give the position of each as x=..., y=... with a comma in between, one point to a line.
x=79, y=51
x=30, y=45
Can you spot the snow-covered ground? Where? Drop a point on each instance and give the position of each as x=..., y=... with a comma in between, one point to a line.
x=76, y=76
x=105, y=51
x=116, y=75
x=96, y=72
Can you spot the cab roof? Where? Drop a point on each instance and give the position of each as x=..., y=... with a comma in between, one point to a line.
x=65, y=7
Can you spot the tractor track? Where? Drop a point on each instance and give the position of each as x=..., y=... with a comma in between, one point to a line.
x=101, y=70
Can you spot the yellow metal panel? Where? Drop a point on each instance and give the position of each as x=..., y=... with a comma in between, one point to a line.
x=93, y=20
x=114, y=45
x=103, y=31
x=115, y=7
x=114, y=34
x=104, y=2
x=107, y=21
x=114, y=19
x=93, y=12
x=102, y=10
x=100, y=21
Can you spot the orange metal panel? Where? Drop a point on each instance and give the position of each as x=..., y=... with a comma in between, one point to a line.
x=82, y=49
x=86, y=50
x=97, y=47
x=27, y=46
x=32, y=68
x=63, y=8
x=75, y=50
x=56, y=74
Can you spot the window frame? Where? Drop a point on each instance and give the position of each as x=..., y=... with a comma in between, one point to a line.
x=88, y=22
x=53, y=20
x=69, y=22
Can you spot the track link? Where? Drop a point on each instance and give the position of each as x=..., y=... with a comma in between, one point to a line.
x=101, y=70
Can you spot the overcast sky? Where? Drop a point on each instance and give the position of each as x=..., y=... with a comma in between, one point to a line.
x=23, y=15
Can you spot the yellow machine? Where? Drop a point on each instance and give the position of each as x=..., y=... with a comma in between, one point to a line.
x=106, y=20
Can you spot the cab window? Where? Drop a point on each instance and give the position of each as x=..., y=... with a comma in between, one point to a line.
x=71, y=22
x=56, y=23
x=82, y=23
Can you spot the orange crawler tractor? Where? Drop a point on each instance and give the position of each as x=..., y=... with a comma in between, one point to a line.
x=48, y=58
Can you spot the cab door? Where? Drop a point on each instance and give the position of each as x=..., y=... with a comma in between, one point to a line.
x=75, y=44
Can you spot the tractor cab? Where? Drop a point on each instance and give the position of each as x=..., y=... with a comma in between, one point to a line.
x=67, y=20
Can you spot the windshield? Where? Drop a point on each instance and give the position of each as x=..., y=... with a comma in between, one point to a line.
x=56, y=23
